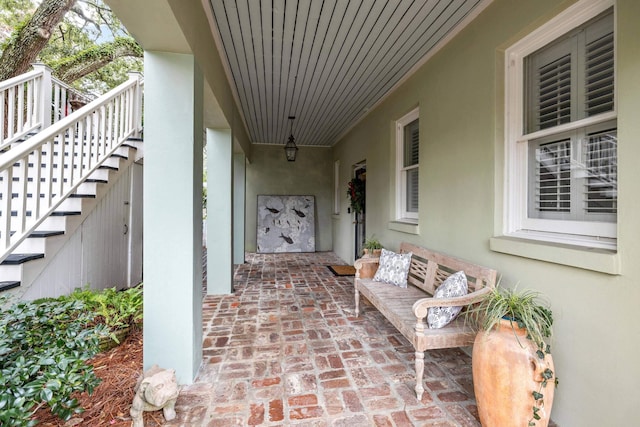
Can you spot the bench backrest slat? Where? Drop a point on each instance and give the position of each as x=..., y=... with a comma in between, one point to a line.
x=418, y=272
x=429, y=269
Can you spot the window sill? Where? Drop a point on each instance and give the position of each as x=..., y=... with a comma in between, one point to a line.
x=600, y=260
x=404, y=227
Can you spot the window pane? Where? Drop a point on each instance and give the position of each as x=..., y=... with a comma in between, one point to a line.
x=412, y=190
x=549, y=87
x=411, y=143
x=571, y=78
x=552, y=178
x=602, y=172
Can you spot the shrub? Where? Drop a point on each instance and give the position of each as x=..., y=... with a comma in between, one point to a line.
x=43, y=349
x=116, y=309
x=44, y=346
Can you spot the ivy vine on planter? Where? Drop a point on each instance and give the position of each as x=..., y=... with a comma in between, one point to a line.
x=356, y=193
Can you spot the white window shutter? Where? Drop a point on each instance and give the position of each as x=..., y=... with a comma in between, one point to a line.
x=599, y=89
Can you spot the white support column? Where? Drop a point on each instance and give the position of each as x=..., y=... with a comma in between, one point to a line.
x=239, y=183
x=219, y=212
x=173, y=214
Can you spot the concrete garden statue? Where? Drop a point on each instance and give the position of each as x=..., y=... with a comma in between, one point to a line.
x=157, y=389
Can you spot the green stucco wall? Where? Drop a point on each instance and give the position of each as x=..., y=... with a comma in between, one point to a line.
x=311, y=174
x=460, y=95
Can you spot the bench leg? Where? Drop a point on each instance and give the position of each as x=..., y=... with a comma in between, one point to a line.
x=419, y=374
x=357, y=293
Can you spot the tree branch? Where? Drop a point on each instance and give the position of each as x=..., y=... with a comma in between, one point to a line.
x=78, y=11
x=90, y=60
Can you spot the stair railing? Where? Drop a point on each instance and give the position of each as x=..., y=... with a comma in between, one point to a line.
x=33, y=101
x=37, y=175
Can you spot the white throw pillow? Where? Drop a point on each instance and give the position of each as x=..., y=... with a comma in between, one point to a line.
x=455, y=286
x=393, y=268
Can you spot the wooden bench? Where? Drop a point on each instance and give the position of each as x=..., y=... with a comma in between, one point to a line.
x=406, y=308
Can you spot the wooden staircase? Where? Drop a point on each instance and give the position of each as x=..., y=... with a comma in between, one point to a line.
x=55, y=169
x=31, y=256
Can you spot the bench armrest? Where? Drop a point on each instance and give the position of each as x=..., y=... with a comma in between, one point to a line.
x=421, y=307
x=366, y=267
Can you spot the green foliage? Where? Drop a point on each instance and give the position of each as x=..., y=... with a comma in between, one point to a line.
x=356, y=191
x=526, y=308
x=14, y=13
x=87, y=27
x=43, y=349
x=111, y=75
x=372, y=243
x=44, y=346
x=15, y=30
x=73, y=42
x=116, y=309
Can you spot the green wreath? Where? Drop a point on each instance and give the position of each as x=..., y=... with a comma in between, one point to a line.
x=356, y=193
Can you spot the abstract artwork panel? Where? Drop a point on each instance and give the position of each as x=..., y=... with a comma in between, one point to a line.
x=286, y=224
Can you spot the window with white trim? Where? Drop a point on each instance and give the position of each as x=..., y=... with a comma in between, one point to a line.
x=562, y=130
x=408, y=145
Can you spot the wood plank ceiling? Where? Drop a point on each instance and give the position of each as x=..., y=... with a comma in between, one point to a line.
x=327, y=62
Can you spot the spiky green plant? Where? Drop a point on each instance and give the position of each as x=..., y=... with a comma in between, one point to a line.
x=527, y=308
x=372, y=243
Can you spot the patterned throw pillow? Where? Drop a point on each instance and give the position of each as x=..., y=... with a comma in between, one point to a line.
x=393, y=268
x=455, y=286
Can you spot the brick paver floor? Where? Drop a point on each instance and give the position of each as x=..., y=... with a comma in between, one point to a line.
x=286, y=350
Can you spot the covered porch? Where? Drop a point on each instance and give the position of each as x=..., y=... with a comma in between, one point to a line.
x=286, y=349
x=453, y=126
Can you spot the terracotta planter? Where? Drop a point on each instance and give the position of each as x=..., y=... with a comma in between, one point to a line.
x=506, y=371
x=368, y=253
x=369, y=270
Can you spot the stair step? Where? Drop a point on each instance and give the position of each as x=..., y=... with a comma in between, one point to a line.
x=42, y=234
x=66, y=213
x=111, y=168
x=99, y=181
x=16, y=259
x=119, y=156
x=82, y=196
x=6, y=285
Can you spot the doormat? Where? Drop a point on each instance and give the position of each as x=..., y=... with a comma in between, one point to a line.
x=342, y=270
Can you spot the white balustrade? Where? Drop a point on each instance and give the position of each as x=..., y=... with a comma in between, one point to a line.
x=20, y=111
x=37, y=175
x=33, y=101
